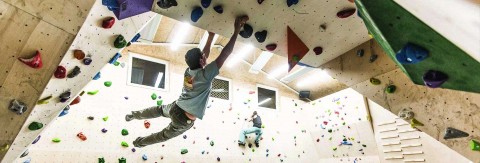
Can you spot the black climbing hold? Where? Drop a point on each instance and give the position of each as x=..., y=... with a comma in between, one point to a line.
x=91, y=118
x=37, y=139
x=360, y=52
x=206, y=3
x=65, y=96
x=260, y=1
x=74, y=72
x=261, y=36
x=165, y=4
x=24, y=154
x=87, y=61
x=101, y=160
x=318, y=50
x=451, y=133
x=218, y=158
x=323, y=26
x=291, y=2
x=346, y=13
x=18, y=107
x=184, y=136
x=120, y=42
x=390, y=88
x=35, y=126
x=411, y=54
x=373, y=58
x=196, y=14
x=434, y=79
x=247, y=31
x=375, y=81
x=218, y=9
x=249, y=145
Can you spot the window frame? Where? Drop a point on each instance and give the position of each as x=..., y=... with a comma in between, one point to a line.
x=277, y=102
x=151, y=59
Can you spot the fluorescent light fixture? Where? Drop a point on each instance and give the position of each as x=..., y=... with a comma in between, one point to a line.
x=321, y=75
x=180, y=33
x=260, y=62
x=275, y=73
x=159, y=79
x=294, y=75
x=203, y=41
x=240, y=54
x=264, y=101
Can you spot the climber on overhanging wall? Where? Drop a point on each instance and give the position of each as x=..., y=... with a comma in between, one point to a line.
x=257, y=129
x=197, y=85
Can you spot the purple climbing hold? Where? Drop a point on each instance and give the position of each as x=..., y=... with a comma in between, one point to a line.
x=291, y=2
x=104, y=130
x=411, y=54
x=434, y=79
x=206, y=3
x=196, y=14
x=37, y=139
x=65, y=96
x=129, y=8
x=87, y=61
x=165, y=4
x=134, y=150
x=218, y=9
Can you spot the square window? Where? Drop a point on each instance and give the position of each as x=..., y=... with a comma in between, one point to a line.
x=147, y=72
x=267, y=97
x=220, y=88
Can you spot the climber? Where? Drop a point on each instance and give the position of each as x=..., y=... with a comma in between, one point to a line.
x=257, y=129
x=197, y=85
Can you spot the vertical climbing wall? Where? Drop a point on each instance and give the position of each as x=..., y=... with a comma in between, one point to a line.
x=48, y=26
x=315, y=22
x=93, y=40
x=436, y=108
x=398, y=142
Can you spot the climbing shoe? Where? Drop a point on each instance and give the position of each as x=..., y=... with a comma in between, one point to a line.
x=129, y=117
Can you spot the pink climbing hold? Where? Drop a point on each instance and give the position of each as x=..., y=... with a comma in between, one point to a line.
x=34, y=62
x=260, y=1
x=346, y=13
x=271, y=47
x=318, y=50
x=251, y=92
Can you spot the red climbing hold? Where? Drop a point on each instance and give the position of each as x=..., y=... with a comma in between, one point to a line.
x=146, y=123
x=271, y=47
x=346, y=13
x=81, y=136
x=296, y=48
x=108, y=22
x=352, y=1
x=34, y=62
x=61, y=72
x=318, y=50
x=318, y=140
x=75, y=101
x=79, y=54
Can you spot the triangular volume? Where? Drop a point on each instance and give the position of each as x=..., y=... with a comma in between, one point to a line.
x=451, y=133
x=296, y=49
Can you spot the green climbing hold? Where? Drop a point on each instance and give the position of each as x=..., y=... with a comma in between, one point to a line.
x=92, y=92
x=414, y=122
x=56, y=140
x=124, y=144
x=120, y=42
x=253, y=149
x=295, y=58
x=159, y=102
x=107, y=83
x=390, y=88
x=44, y=100
x=343, y=123
x=105, y=118
x=330, y=130
x=35, y=126
x=212, y=143
x=124, y=132
x=184, y=151
x=116, y=63
x=122, y=160
x=263, y=126
x=474, y=145
x=83, y=92
x=375, y=81
x=335, y=148
x=344, y=139
x=153, y=96
x=273, y=139
x=101, y=160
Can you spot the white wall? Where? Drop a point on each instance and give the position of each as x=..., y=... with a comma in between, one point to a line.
x=431, y=149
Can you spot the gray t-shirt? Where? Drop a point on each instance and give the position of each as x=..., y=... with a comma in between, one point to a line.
x=257, y=122
x=197, y=85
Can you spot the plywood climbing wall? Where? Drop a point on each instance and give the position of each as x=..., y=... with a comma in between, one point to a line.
x=305, y=19
x=91, y=38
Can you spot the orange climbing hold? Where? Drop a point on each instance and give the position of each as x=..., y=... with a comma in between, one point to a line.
x=146, y=123
x=296, y=48
x=79, y=54
x=81, y=136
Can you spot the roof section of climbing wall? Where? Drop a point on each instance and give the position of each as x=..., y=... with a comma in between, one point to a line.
x=328, y=28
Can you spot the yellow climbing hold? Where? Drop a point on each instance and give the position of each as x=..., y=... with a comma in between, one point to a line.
x=44, y=100
x=5, y=147
x=414, y=122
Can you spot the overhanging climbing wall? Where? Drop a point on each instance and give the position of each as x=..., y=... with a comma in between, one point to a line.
x=393, y=27
x=436, y=108
x=315, y=22
x=94, y=41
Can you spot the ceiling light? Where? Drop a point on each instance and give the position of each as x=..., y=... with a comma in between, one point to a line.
x=318, y=76
x=260, y=62
x=240, y=55
x=180, y=33
x=275, y=73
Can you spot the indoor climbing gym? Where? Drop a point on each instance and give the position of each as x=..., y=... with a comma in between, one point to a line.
x=240, y=81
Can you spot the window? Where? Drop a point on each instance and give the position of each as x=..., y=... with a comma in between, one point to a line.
x=220, y=88
x=147, y=72
x=267, y=97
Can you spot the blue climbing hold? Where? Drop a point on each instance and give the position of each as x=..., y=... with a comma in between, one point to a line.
x=304, y=65
x=291, y=2
x=144, y=157
x=411, y=54
x=136, y=37
x=218, y=9
x=206, y=3
x=111, y=4
x=97, y=76
x=63, y=113
x=114, y=58
x=196, y=14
